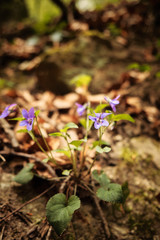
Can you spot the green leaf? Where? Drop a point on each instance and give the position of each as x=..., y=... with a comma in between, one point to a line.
x=17, y=119
x=102, y=150
x=158, y=74
x=100, y=107
x=133, y=66
x=123, y=117
x=101, y=178
x=77, y=143
x=112, y=194
x=45, y=160
x=99, y=149
x=65, y=152
x=68, y=126
x=37, y=113
x=106, y=149
x=59, y=211
x=22, y=131
x=25, y=175
x=96, y=143
x=66, y=172
x=57, y=134
x=141, y=68
x=83, y=122
x=81, y=80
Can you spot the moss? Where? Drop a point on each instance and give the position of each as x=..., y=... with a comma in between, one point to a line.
x=129, y=155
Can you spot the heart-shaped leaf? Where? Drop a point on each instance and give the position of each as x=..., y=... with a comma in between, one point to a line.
x=102, y=150
x=59, y=211
x=113, y=193
x=25, y=175
x=101, y=178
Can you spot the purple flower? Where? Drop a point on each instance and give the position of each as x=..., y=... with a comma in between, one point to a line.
x=8, y=110
x=112, y=102
x=29, y=118
x=98, y=120
x=81, y=108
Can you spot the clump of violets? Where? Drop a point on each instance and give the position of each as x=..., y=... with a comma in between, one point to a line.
x=9, y=109
x=81, y=108
x=29, y=118
x=112, y=102
x=99, y=120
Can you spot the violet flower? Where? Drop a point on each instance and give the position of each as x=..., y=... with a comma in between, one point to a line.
x=81, y=108
x=8, y=110
x=99, y=120
x=29, y=118
x=112, y=102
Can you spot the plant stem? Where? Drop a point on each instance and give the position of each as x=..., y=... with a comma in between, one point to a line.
x=82, y=160
x=51, y=158
x=72, y=158
x=38, y=144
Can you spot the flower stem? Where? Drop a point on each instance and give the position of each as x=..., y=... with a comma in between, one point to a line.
x=82, y=160
x=72, y=158
x=51, y=158
x=38, y=144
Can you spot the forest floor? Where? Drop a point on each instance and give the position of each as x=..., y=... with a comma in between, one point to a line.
x=134, y=158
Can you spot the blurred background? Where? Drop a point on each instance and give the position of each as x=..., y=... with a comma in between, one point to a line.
x=46, y=43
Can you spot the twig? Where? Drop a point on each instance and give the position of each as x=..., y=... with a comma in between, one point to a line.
x=105, y=223
x=61, y=190
x=1, y=236
x=26, y=203
x=26, y=155
x=3, y=159
x=49, y=233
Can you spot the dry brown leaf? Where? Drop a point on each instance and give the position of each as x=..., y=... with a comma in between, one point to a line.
x=21, y=136
x=152, y=113
x=135, y=103
x=29, y=65
x=97, y=98
x=66, y=102
x=139, y=76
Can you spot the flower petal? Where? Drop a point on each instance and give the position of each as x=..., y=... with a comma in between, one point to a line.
x=117, y=97
x=23, y=123
x=12, y=105
x=107, y=99
x=4, y=114
x=114, y=101
x=113, y=107
x=98, y=115
x=31, y=113
x=104, y=123
x=78, y=104
x=104, y=115
x=29, y=126
x=92, y=118
x=25, y=113
x=97, y=125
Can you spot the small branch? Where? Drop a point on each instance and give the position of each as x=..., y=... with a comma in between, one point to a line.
x=61, y=190
x=2, y=232
x=28, y=202
x=49, y=233
x=26, y=155
x=104, y=221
